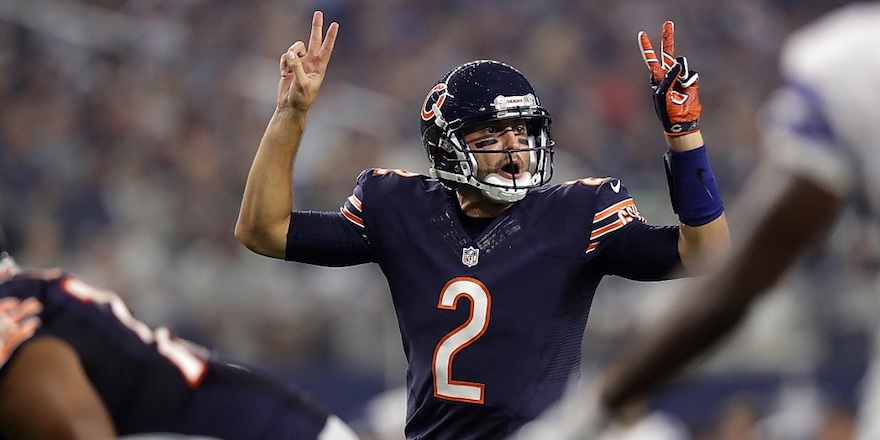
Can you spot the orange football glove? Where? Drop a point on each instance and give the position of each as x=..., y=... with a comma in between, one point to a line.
x=676, y=100
x=18, y=322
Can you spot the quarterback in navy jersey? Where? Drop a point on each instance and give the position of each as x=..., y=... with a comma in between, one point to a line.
x=76, y=364
x=491, y=269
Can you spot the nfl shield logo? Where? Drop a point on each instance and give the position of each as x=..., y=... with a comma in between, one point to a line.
x=470, y=256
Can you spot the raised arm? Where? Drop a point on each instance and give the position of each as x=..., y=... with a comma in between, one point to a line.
x=268, y=195
x=704, y=236
x=700, y=245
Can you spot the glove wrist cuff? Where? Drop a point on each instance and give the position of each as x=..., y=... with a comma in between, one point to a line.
x=681, y=128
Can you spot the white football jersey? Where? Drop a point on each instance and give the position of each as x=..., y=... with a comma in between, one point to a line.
x=824, y=122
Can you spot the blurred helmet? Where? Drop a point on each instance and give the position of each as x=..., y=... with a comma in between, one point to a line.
x=476, y=93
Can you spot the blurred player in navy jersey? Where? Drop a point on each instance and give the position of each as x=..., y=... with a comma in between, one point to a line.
x=823, y=149
x=492, y=270
x=76, y=364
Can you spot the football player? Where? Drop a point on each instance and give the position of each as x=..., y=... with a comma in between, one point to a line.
x=823, y=147
x=75, y=363
x=491, y=269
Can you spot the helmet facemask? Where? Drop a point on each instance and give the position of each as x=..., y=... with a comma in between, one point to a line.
x=454, y=163
x=493, y=185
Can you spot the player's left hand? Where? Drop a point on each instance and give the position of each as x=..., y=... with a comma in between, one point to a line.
x=18, y=322
x=676, y=100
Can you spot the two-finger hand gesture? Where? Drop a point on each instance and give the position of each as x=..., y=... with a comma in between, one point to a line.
x=302, y=68
x=676, y=100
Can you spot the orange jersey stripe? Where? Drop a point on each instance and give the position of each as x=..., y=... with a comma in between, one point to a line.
x=612, y=210
x=352, y=218
x=356, y=202
x=606, y=229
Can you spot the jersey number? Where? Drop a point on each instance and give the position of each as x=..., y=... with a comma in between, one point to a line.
x=481, y=304
x=191, y=367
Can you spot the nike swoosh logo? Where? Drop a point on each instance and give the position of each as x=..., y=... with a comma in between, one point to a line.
x=615, y=186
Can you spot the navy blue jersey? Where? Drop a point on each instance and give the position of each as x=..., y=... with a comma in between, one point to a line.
x=151, y=381
x=492, y=326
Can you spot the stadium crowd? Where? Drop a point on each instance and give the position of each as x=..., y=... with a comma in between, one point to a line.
x=127, y=128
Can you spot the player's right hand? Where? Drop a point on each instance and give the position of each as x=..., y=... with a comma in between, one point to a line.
x=302, y=68
x=18, y=322
x=676, y=100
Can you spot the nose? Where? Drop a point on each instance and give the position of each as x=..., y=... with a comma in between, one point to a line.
x=508, y=138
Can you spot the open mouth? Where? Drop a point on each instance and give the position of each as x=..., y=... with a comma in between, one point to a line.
x=512, y=170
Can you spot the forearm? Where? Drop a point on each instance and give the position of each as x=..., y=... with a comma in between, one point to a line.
x=701, y=247
x=695, y=197
x=268, y=195
x=685, y=142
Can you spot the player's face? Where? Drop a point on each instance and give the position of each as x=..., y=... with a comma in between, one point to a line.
x=500, y=147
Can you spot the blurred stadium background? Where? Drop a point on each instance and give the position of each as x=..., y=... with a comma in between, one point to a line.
x=127, y=128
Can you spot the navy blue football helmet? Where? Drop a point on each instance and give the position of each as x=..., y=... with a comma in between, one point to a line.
x=476, y=93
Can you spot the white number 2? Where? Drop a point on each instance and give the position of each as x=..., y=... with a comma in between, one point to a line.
x=481, y=304
x=192, y=367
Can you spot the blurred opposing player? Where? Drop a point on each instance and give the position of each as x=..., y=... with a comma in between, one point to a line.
x=823, y=145
x=76, y=364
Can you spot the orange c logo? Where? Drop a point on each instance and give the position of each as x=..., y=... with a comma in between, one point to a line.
x=436, y=95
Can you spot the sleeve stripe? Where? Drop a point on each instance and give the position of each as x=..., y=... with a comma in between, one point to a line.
x=625, y=212
x=356, y=202
x=592, y=247
x=351, y=217
x=612, y=210
x=607, y=229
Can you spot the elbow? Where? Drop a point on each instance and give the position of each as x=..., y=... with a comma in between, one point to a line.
x=242, y=234
x=262, y=238
x=248, y=235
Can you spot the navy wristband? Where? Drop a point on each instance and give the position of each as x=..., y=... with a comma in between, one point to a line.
x=692, y=187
